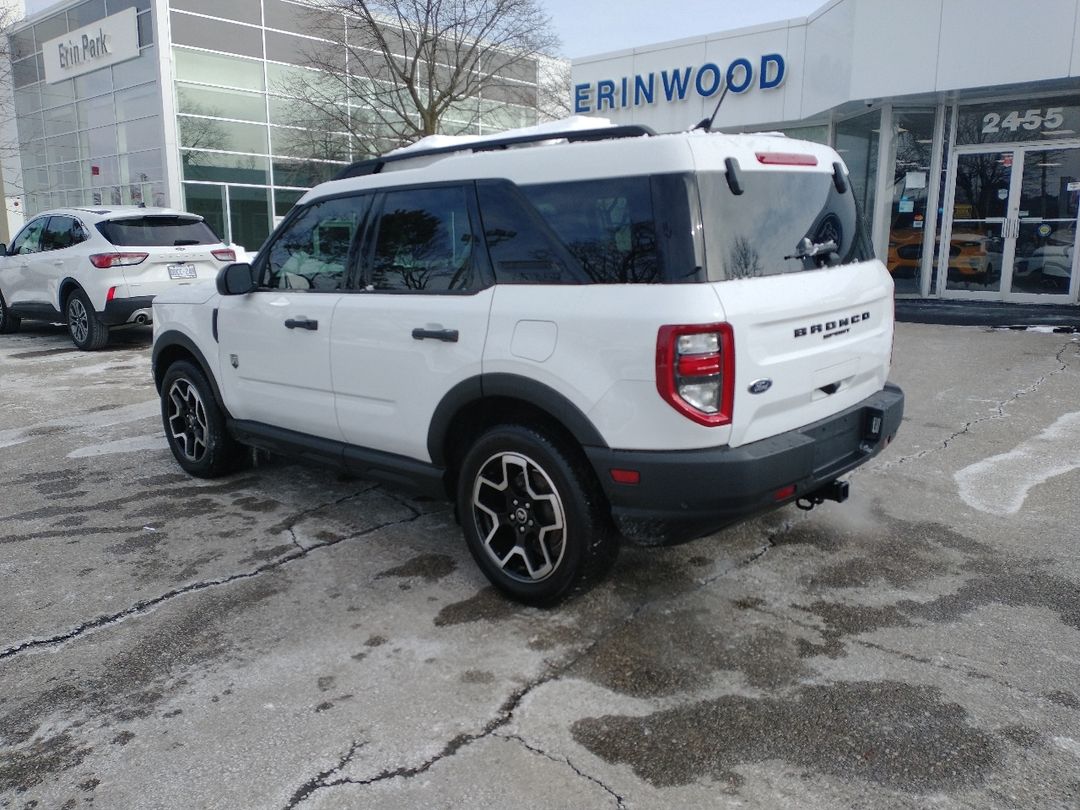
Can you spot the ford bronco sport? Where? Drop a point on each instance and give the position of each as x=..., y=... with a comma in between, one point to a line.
x=576, y=336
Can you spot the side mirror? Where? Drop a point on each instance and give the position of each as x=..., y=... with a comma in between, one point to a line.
x=235, y=279
x=3, y=249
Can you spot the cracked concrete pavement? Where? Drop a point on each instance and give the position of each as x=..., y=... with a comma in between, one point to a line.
x=290, y=638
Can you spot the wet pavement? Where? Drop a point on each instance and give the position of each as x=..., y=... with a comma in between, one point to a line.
x=287, y=637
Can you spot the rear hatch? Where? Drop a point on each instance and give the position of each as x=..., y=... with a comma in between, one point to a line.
x=176, y=249
x=811, y=309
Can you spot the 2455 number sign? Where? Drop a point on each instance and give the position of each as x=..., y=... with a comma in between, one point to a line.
x=1050, y=118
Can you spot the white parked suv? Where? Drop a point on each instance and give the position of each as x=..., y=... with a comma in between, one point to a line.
x=574, y=336
x=95, y=268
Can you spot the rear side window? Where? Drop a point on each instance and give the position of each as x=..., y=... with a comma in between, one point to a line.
x=62, y=232
x=759, y=232
x=311, y=251
x=158, y=231
x=424, y=242
x=522, y=246
x=607, y=225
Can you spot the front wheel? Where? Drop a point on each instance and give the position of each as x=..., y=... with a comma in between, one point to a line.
x=533, y=515
x=194, y=424
x=86, y=329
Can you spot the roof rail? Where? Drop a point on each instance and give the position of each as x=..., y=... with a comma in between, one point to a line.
x=375, y=165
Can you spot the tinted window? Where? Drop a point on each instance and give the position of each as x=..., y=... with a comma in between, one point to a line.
x=522, y=246
x=608, y=225
x=312, y=252
x=755, y=233
x=29, y=241
x=424, y=242
x=158, y=230
x=62, y=232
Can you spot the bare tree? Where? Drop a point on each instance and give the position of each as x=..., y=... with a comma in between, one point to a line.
x=8, y=16
x=10, y=169
x=394, y=71
x=554, y=89
x=201, y=133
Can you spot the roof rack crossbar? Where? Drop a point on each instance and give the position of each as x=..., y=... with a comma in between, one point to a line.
x=375, y=165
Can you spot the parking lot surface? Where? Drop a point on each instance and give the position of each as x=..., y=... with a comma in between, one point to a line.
x=290, y=638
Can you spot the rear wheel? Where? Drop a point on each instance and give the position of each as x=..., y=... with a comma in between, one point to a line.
x=533, y=515
x=194, y=424
x=86, y=329
x=8, y=323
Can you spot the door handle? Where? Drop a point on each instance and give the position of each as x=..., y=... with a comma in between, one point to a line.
x=301, y=323
x=445, y=335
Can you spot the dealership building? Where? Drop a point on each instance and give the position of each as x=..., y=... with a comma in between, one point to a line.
x=194, y=104
x=959, y=121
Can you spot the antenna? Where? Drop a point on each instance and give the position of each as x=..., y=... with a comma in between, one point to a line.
x=706, y=123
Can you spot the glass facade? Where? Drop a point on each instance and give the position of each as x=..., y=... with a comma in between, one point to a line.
x=94, y=139
x=248, y=149
x=913, y=141
x=857, y=142
x=245, y=137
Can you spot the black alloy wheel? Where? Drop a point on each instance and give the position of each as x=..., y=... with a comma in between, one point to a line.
x=533, y=514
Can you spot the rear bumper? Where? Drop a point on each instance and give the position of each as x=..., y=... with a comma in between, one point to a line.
x=686, y=494
x=127, y=310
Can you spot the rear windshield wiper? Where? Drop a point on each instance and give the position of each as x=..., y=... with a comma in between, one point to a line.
x=807, y=249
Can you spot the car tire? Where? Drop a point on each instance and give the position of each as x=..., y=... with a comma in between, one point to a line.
x=195, y=424
x=86, y=329
x=8, y=323
x=533, y=514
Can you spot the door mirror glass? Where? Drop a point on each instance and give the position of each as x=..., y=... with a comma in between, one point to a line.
x=235, y=279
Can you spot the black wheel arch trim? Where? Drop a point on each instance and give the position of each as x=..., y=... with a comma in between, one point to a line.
x=62, y=294
x=512, y=386
x=167, y=340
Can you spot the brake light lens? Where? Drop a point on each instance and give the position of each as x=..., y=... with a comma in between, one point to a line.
x=695, y=371
x=785, y=159
x=224, y=255
x=103, y=261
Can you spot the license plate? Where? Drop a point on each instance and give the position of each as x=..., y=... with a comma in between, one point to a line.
x=181, y=271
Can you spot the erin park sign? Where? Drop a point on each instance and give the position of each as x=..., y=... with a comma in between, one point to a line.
x=108, y=41
x=678, y=83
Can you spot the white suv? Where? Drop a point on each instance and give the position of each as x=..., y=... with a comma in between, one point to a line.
x=573, y=336
x=94, y=268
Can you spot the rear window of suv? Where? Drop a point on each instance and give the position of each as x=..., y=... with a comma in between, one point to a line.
x=158, y=231
x=758, y=232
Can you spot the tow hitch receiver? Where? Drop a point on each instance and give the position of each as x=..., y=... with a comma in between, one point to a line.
x=832, y=491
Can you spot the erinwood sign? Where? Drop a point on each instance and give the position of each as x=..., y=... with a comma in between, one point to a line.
x=108, y=41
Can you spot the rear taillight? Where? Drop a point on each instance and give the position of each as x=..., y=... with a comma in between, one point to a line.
x=104, y=261
x=224, y=255
x=695, y=371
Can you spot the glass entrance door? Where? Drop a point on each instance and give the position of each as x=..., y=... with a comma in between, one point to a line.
x=1045, y=223
x=1013, y=229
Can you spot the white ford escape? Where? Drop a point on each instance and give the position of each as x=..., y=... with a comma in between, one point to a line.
x=96, y=268
x=574, y=337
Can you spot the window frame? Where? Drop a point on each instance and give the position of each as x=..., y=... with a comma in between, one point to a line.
x=479, y=254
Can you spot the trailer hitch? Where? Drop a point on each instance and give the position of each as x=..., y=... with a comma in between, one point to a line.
x=833, y=491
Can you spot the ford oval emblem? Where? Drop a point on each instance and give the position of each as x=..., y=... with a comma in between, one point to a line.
x=760, y=386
